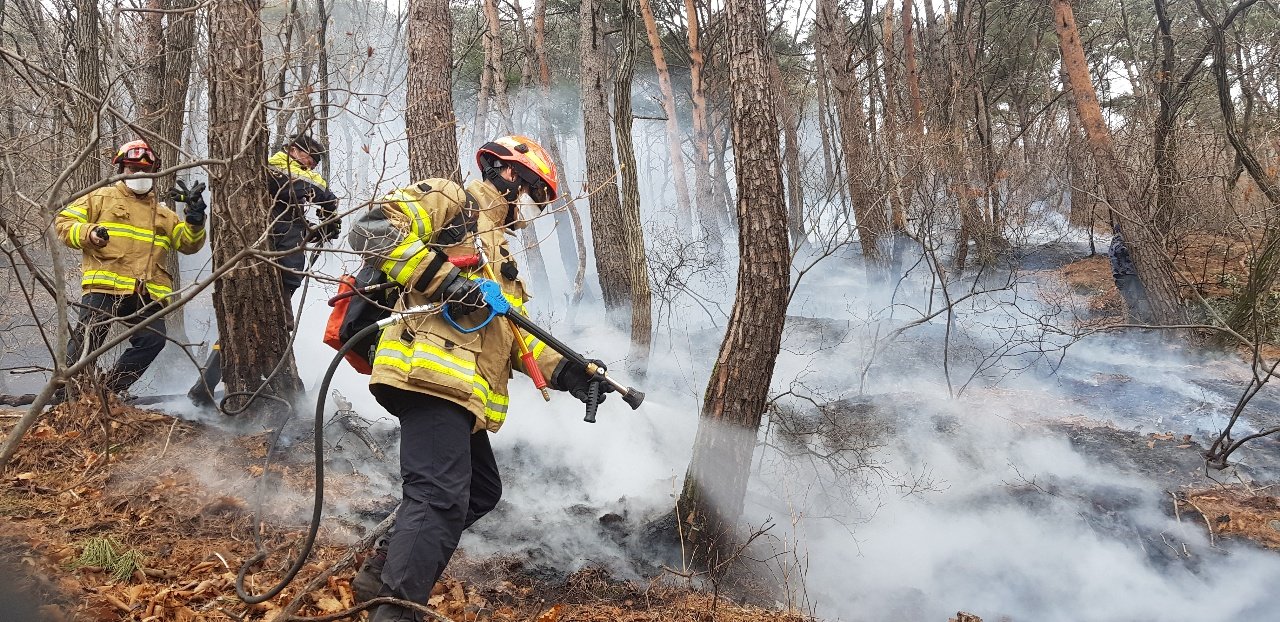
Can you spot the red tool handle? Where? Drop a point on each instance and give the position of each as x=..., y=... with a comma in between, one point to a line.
x=535, y=372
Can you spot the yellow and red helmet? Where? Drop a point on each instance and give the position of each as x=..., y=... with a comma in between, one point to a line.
x=137, y=154
x=529, y=160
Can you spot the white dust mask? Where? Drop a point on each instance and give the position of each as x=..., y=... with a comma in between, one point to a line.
x=139, y=185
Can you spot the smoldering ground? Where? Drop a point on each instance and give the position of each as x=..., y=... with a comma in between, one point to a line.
x=948, y=490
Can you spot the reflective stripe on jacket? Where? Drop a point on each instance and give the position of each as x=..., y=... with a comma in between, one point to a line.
x=423, y=353
x=142, y=233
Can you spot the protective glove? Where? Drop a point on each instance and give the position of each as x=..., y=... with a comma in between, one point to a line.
x=571, y=377
x=99, y=236
x=466, y=295
x=194, y=198
x=332, y=229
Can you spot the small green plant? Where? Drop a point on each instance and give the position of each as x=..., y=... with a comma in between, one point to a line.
x=107, y=553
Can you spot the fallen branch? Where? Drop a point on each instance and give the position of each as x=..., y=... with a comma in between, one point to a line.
x=426, y=611
x=321, y=579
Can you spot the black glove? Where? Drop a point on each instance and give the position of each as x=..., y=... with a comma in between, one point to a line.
x=194, y=198
x=462, y=294
x=571, y=377
x=331, y=229
x=509, y=270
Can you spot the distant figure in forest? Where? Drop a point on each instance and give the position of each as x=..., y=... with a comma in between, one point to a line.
x=126, y=236
x=292, y=183
x=1137, y=306
x=447, y=387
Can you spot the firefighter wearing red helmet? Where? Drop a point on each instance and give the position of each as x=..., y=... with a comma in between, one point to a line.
x=449, y=388
x=126, y=235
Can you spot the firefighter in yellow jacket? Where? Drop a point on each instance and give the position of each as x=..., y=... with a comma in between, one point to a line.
x=126, y=236
x=448, y=388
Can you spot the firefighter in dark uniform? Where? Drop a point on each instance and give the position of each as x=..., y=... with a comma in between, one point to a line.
x=293, y=183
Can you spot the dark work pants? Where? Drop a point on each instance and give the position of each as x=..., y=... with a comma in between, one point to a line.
x=1137, y=305
x=450, y=479
x=95, y=316
x=212, y=374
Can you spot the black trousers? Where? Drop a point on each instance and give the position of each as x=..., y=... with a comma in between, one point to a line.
x=144, y=346
x=211, y=376
x=450, y=479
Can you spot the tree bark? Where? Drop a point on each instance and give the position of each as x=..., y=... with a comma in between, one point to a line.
x=873, y=223
x=684, y=213
x=167, y=70
x=701, y=135
x=913, y=77
x=89, y=77
x=1266, y=263
x=429, y=119
x=641, y=298
x=494, y=67
x=788, y=119
x=715, y=485
x=1153, y=269
x=253, y=314
x=572, y=256
x=608, y=224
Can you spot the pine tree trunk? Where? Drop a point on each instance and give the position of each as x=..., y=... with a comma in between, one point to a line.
x=1153, y=270
x=429, y=119
x=715, y=485
x=674, y=141
x=824, y=129
x=791, y=159
x=89, y=78
x=167, y=69
x=913, y=77
x=641, y=303
x=608, y=224
x=571, y=254
x=322, y=67
x=873, y=223
x=494, y=66
x=701, y=135
x=253, y=314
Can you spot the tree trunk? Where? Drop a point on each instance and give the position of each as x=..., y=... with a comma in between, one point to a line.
x=913, y=77
x=167, y=71
x=608, y=224
x=715, y=485
x=287, y=109
x=494, y=66
x=701, y=135
x=824, y=129
x=89, y=78
x=322, y=67
x=787, y=118
x=1153, y=269
x=429, y=120
x=253, y=314
x=641, y=303
x=1266, y=263
x=873, y=223
x=571, y=255
x=684, y=213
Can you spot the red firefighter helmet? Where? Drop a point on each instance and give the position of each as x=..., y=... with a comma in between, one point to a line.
x=136, y=154
x=529, y=160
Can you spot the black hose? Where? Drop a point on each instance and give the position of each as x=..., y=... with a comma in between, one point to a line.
x=318, y=507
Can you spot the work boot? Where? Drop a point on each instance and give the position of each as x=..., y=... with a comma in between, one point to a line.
x=393, y=613
x=199, y=395
x=367, y=584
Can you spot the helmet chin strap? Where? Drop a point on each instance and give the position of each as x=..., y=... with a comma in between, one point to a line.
x=510, y=189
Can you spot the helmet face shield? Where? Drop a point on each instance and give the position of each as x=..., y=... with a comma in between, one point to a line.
x=137, y=155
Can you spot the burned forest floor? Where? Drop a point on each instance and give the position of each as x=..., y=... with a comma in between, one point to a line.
x=111, y=514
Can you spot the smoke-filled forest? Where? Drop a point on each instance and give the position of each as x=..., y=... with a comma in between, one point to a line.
x=582, y=310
